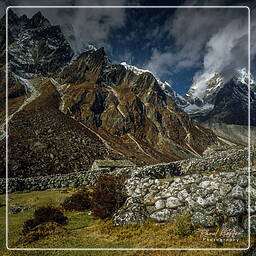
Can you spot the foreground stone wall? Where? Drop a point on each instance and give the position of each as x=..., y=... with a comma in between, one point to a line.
x=217, y=161
x=214, y=200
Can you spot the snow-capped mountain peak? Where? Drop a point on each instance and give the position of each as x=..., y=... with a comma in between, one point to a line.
x=89, y=47
x=165, y=86
x=243, y=76
x=205, y=86
x=134, y=69
x=202, y=93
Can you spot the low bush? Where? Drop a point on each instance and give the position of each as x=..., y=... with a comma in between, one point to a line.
x=182, y=225
x=78, y=202
x=44, y=215
x=40, y=232
x=108, y=196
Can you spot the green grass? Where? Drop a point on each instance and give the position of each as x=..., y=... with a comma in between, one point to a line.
x=86, y=231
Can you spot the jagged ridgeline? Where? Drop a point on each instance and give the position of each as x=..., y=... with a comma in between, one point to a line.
x=67, y=110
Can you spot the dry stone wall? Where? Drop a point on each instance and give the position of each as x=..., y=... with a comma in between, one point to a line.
x=216, y=161
x=212, y=200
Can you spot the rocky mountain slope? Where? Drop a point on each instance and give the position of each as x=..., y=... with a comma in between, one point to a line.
x=219, y=101
x=66, y=111
x=223, y=105
x=232, y=132
x=129, y=107
x=231, y=104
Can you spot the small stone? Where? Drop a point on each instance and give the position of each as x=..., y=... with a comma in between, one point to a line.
x=150, y=199
x=173, y=202
x=225, y=189
x=238, y=193
x=253, y=193
x=235, y=208
x=243, y=181
x=252, y=224
x=160, y=204
x=150, y=209
x=132, y=212
x=204, y=184
x=188, y=180
x=182, y=195
x=161, y=216
x=201, y=219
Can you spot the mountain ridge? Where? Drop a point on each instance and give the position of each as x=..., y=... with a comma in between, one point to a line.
x=126, y=115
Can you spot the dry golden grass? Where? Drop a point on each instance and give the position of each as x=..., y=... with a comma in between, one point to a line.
x=86, y=231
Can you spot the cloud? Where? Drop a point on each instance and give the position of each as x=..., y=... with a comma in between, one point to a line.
x=227, y=50
x=214, y=40
x=82, y=26
x=225, y=47
x=160, y=63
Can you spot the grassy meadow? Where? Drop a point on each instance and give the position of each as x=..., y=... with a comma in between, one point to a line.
x=83, y=230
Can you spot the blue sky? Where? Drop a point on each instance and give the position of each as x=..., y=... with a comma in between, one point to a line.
x=178, y=45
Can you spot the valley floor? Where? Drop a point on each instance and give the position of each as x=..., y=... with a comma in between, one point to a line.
x=86, y=231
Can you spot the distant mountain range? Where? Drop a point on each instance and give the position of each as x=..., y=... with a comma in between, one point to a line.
x=223, y=101
x=67, y=109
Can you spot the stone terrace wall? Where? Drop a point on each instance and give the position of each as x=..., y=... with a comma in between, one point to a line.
x=217, y=161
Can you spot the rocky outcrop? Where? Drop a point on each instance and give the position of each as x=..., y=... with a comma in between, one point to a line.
x=44, y=141
x=231, y=104
x=35, y=46
x=120, y=104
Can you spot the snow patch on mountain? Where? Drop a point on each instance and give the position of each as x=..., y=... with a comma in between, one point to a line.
x=134, y=69
x=194, y=109
x=243, y=76
x=205, y=85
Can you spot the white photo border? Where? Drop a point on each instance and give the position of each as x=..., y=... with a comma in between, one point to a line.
x=249, y=134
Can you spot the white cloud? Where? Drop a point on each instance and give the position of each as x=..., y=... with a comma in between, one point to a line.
x=160, y=63
x=213, y=39
x=227, y=50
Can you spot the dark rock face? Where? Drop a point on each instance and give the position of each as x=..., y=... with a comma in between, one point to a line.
x=44, y=141
x=133, y=107
x=37, y=20
x=35, y=47
x=46, y=48
x=231, y=104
